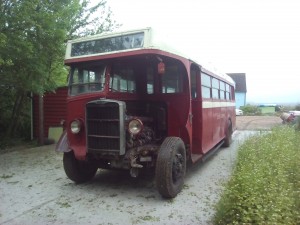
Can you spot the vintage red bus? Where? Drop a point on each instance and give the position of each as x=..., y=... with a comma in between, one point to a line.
x=135, y=103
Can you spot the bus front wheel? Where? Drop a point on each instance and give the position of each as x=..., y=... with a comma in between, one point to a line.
x=76, y=170
x=170, y=167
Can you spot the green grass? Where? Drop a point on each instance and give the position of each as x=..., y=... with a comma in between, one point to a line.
x=265, y=186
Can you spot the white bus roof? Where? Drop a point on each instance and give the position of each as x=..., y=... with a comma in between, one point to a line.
x=107, y=43
x=124, y=41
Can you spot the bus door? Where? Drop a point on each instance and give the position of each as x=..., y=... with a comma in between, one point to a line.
x=217, y=115
x=207, y=113
x=196, y=113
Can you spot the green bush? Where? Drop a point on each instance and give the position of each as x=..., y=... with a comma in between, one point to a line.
x=265, y=186
x=251, y=110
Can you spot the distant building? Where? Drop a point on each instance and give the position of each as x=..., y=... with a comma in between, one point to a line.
x=240, y=88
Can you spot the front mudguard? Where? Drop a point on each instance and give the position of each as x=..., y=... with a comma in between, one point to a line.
x=63, y=143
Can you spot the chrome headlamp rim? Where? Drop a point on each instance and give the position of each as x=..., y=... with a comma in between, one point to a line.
x=75, y=126
x=135, y=126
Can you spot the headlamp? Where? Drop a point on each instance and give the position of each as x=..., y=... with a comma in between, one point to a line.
x=75, y=126
x=135, y=126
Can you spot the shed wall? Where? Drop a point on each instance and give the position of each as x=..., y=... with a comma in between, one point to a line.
x=55, y=110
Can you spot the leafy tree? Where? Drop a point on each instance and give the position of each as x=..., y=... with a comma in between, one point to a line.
x=32, y=45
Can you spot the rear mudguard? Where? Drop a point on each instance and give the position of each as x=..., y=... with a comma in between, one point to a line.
x=63, y=143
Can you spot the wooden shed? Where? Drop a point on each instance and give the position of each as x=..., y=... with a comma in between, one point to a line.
x=55, y=110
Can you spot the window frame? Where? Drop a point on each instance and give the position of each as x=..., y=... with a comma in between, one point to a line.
x=206, y=85
x=179, y=87
x=83, y=83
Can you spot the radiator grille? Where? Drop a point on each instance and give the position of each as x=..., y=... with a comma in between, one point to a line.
x=105, y=127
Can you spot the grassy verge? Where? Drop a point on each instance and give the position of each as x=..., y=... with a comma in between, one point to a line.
x=265, y=186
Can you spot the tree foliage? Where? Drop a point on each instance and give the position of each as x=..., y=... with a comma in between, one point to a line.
x=33, y=34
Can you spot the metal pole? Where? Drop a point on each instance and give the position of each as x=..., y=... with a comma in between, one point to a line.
x=41, y=120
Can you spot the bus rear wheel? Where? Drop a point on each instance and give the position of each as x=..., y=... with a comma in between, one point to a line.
x=228, y=137
x=76, y=170
x=170, y=167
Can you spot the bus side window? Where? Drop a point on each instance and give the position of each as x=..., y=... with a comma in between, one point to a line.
x=222, y=90
x=232, y=94
x=205, y=85
x=215, y=88
x=228, y=96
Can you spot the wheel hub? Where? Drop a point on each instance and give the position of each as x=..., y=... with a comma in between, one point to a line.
x=177, y=169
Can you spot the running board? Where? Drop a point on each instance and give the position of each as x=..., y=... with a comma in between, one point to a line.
x=212, y=151
x=198, y=157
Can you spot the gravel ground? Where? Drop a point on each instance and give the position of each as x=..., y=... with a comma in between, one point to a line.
x=35, y=190
x=257, y=122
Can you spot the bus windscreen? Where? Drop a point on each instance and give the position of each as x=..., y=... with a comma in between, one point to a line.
x=118, y=43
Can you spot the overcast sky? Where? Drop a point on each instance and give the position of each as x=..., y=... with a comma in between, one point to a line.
x=258, y=37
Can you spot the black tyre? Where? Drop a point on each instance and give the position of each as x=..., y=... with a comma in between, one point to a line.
x=170, y=167
x=228, y=137
x=76, y=170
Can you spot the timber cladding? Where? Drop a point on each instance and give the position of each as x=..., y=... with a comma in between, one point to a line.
x=55, y=110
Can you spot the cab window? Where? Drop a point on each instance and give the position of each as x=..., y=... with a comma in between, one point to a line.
x=85, y=80
x=172, y=79
x=122, y=79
